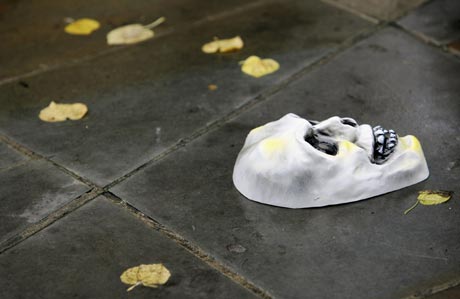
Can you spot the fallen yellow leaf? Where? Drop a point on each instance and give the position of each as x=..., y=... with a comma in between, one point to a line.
x=146, y=275
x=256, y=67
x=60, y=112
x=212, y=87
x=131, y=34
x=223, y=45
x=82, y=27
x=430, y=197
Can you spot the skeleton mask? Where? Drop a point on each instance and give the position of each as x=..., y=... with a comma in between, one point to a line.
x=296, y=163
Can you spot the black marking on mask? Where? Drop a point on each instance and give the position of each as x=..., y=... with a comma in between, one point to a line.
x=348, y=121
x=385, y=142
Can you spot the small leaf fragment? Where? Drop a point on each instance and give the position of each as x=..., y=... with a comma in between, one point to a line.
x=82, y=27
x=256, y=67
x=133, y=33
x=148, y=275
x=60, y=112
x=223, y=45
x=212, y=87
x=430, y=197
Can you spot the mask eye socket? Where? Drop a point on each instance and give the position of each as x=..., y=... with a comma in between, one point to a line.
x=321, y=144
x=349, y=122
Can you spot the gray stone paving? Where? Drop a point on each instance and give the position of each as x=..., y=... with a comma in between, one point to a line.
x=42, y=44
x=438, y=21
x=381, y=10
x=343, y=251
x=84, y=254
x=145, y=177
x=141, y=89
x=30, y=191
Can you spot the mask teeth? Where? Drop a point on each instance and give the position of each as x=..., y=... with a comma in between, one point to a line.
x=385, y=142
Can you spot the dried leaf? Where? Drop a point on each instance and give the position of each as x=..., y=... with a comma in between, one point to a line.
x=430, y=197
x=60, y=112
x=256, y=67
x=212, y=87
x=133, y=33
x=223, y=45
x=82, y=27
x=146, y=275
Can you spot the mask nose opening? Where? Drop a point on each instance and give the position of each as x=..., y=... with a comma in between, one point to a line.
x=321, y=142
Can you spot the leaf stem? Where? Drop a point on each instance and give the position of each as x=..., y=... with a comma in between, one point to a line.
x=155, y=23
x=133, y=286
x=411, y=208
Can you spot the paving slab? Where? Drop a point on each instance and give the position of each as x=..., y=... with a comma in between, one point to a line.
x=452, y=293
x=84, y=254
x=438, y=21
x=382, y=10
x=33, y=36
x=9, y=157
x=29, y=191
x=144, y=99
x=367, y=249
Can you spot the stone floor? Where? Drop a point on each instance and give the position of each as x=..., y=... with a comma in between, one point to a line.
x=145, y=177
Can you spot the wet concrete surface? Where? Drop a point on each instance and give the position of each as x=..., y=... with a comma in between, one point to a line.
x=438, y=21
x=84, y=255
x=33, y=38
x=345, y=251
x=160, y=141
x=144, y=99
x=30, y=191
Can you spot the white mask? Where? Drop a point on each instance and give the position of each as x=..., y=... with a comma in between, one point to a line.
x=295, y=163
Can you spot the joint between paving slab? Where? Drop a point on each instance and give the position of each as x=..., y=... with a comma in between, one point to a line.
x=436, y=289
x=352, y=11
x=29, y=153
x=50, y=219
x=189, y=246
x=425, y=39
x=263, y=96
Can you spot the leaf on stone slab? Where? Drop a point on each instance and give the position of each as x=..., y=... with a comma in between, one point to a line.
x=223, y=45
x=147, y=275
x=256, y=67
x=430, y=197
x=82, y=27
x=60, y=112
x=133, y=33
x=212, y=87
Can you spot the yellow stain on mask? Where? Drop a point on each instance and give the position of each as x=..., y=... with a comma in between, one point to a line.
x=346, y=147
x=255, y=130
x=272, y=145
x=410, y=142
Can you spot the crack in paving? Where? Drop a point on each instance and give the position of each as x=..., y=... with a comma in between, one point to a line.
x=190, y=247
